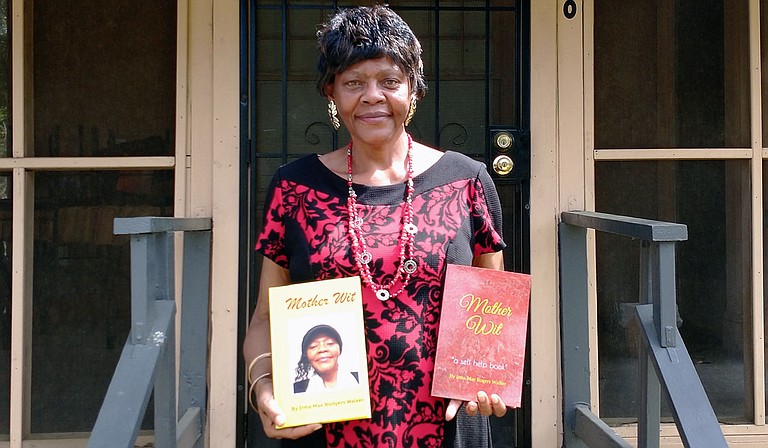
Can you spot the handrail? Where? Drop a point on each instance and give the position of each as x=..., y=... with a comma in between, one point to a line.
x=664, y=360
x=148, y=360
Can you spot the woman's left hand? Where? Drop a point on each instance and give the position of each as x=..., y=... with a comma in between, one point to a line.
x=484, y=405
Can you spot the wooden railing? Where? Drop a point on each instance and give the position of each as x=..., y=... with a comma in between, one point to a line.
x=664, y=362
x=148, y=360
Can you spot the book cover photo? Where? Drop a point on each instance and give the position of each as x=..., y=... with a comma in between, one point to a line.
x=481, y=340
x=319, y=364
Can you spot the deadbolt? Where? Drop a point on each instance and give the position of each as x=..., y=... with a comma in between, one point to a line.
x=503, y=165
x=504, y=140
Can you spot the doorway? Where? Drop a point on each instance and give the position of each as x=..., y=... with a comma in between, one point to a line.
x=476, y=65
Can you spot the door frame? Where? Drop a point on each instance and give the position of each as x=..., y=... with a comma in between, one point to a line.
x=249, y=157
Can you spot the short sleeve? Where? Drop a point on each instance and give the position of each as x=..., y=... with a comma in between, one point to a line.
x=486, y=216
x=271, y=239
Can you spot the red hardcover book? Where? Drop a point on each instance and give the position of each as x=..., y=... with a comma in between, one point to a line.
x=481, y=343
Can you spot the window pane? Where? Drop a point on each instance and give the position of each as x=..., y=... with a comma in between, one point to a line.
x=5, y=301
x=764, y=64
x=81, y=294
x=713, y=269
x=462, y=87
x=504, y=88
x=104, y=78
x=765, y=244
x=5, y=71
x=671, y=74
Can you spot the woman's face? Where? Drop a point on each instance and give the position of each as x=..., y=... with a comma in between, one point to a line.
x=372, y=98
x=323, y=354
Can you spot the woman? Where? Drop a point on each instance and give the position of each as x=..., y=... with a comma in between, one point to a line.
x=393, y=211
x=318, y=367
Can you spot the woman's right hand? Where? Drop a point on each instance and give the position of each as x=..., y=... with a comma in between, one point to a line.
x=272, y=416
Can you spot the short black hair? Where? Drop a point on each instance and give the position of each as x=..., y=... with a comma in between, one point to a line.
x=357, y=34
x=303, y=367
x=320, y=330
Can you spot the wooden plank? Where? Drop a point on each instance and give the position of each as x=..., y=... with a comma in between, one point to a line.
x=758, y=282
x=644, y=229
x=545, y=361
x=595, y=432
x=693, y=413
x=673, y=154
x=21, y=303
x=126, y=400
x=195, y=305
x=225, y=187
x=574, y=329
x=159, y=224
x=88, y=163
x=189, y=430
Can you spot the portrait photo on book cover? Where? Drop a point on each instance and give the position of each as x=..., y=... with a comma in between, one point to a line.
x=327, y=355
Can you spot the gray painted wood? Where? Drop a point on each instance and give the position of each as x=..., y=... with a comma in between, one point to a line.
x=148, y=362
x=696, y=421
x=121, y=413
x=665, y=364
x=644, y=229
x=595, y=432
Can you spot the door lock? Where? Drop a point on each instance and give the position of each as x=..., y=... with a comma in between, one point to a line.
x=503, y=165
x=509, y=154
x=504, y=141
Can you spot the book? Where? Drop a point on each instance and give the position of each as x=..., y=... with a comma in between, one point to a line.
x=481, y=339
x=319, y=363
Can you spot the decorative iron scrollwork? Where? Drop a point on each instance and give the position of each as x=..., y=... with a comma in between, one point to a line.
x=313, y=134
x=459, y=134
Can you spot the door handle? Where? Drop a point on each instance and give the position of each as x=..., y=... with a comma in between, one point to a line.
x=503, y=165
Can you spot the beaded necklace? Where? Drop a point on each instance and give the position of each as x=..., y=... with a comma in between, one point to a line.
x=406, y=264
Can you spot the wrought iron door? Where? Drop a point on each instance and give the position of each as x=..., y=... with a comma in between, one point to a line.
x=476, y=64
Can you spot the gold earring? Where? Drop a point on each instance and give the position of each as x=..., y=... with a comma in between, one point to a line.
x=411, y=111
x=332, y=114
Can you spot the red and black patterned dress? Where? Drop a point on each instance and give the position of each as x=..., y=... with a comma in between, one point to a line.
x=458, y=215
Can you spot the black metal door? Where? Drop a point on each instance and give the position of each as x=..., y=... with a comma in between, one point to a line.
x=476, y=63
